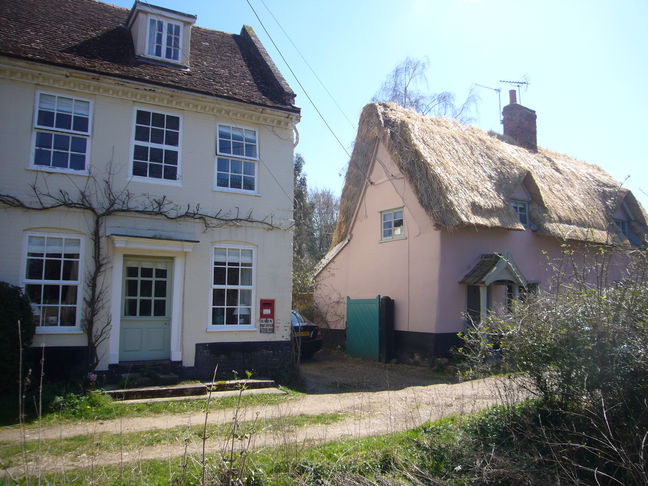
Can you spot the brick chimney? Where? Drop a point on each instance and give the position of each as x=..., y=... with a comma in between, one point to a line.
x=520, y=123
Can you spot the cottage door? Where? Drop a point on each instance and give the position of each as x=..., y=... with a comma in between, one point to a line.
x=146, y=315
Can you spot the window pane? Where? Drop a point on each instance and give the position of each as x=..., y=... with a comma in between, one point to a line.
x=45, y=118
x=246, y=297
x=248, y=183
x=68, y=294
x=140, y=152
x=78, y=144
x=250, y=151
x=82, y=108
x=171, y=138
x=63, y=120
x=61, y=142
x=157, y=135
x=43, y=157
x=171, y=157
x=219, y=297
x=131, y=288
x=157, y=120
x=237, y=148
x=140, y=169
x=35, y=293
x=173, y=122
x=170, y=173
x=225, y=146
x=145, y=308
x=219, y=275
x=131, y=307
x=35, y=269
x=44, y=140
x=80, y=123
x=223, y=165
x=156, y=155
x=51, y=294
x=52, y=269
x=236, y=182
x=232, y=276
x=47, y=102
x=146, y=288
x=231, y=297
x=159, y=307
x=70, y=270
x=50, y=316
x=142, y=134
x=68, y=316
x=143, y=117
x=246, y=257
x=220, y=255
x=60, y=159
x=64, y=105
x=36, y=246
x=218, y=316
x=54, y=247
x=230, y=316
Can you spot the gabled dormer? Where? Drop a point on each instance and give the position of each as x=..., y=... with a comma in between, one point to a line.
x=160, y=34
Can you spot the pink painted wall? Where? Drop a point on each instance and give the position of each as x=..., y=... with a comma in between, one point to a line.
x=421, y=272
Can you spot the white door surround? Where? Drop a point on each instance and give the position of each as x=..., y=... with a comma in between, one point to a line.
x=140, y=246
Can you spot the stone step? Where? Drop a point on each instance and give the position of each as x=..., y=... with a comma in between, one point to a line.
x=194, y=389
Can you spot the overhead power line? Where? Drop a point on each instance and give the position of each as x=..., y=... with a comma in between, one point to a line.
x=351, y=124
x=298, y=82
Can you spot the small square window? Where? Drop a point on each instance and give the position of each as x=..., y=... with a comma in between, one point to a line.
x=392, y=225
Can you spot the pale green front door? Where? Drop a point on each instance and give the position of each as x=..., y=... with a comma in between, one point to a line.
x=146, y=311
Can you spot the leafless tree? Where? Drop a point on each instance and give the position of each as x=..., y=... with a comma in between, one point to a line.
x=101, y=199
x=325, y=207
x=407, y=85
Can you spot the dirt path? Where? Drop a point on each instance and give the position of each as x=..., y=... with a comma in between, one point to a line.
x=370, y=413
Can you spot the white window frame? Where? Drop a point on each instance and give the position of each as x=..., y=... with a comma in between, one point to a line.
x=393, y=236
x=163, y=47
x=518, y=205
x=76, y=329
x=155, y=180
x=222, y=154
x=253, y=318
x=37, y=128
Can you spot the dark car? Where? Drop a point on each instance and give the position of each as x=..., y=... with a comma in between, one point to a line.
x=306, y=335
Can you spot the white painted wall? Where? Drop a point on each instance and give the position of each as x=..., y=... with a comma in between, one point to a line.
x=114, y=104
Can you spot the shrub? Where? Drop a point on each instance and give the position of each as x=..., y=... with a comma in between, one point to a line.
x=582, y=350
x=14, y=307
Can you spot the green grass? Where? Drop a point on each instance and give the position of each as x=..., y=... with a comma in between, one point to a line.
x=97, y=444
x=102, y=407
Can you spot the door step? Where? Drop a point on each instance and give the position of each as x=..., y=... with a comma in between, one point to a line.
x=194, y=389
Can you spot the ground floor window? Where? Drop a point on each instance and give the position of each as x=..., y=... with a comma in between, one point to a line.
x=52, y=279
x=232, y=286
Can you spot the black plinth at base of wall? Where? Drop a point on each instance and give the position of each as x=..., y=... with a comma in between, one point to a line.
x=265, y=359
x=60, y=362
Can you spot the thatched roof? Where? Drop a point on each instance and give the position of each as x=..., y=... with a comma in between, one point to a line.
x=464, y=176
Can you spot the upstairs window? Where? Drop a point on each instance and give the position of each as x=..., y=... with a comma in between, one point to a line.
x=521, y=208
x=62, y=133
x=156, y=149
x=238, y=169
x=164, y=39
x=392, y=225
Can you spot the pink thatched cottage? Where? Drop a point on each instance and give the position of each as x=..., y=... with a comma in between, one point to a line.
x=449, y=221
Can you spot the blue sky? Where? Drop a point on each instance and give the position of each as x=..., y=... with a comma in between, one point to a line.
x=586, y=62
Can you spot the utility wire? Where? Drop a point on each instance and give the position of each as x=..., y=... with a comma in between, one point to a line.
x=351, y=124
x=298, y=82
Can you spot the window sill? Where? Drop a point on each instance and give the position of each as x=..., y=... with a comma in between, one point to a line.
x=236, y=191
x=395, y=238
x=151, y=180
x=58, y=330
x=225, y=328
x=56, y=170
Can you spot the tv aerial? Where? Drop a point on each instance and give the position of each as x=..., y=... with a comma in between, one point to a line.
x=518, y=85
x=499, y=98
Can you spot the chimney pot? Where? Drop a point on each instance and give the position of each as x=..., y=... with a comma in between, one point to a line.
x=512, y=96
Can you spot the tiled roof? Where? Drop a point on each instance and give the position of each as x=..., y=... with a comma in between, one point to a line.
x=91, y=36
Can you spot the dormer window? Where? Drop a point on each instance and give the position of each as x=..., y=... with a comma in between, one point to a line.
x=160, y=34
x=164, y=39
x=521, y=208
x=622, y=224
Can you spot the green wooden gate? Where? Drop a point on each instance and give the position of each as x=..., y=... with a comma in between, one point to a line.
x=369, y=328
